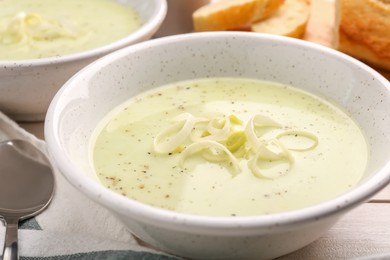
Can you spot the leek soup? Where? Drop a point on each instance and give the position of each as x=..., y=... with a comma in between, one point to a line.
x=46, y=28
x=228, y=147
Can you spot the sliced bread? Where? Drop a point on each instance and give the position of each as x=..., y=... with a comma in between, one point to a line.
x=232, y=14
x=364, y=31
x=289, y=20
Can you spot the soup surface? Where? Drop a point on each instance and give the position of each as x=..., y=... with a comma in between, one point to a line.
x=228, y=147
x=45, y=28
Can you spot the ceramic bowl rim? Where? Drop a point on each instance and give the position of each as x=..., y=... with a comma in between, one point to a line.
x=149, y=27
x=167, y=218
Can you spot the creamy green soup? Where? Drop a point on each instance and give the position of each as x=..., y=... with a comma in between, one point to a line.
x=31, y=29
x=229, y=147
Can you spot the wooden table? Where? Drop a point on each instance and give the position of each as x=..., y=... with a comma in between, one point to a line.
x=364, y=231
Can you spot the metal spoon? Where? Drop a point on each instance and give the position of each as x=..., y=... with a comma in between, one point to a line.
x=26, y=188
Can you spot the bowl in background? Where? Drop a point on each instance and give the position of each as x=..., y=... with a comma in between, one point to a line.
x=28, y=86
x=85, y=99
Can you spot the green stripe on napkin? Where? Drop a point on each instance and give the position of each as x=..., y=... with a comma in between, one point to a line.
x=30, y=223
x=100, y=255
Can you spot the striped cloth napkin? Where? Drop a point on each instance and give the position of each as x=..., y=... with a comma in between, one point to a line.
x=72, y=227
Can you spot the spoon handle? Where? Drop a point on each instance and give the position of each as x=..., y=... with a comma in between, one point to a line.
x=10, y=251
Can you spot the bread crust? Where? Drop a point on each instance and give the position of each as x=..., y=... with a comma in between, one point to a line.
x=364, y=30
x=362, y=52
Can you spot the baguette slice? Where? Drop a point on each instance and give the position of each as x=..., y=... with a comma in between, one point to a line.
x=232, y=14
x=364, y=31
x=362, y=52
x=323, y=24
x=289, y=20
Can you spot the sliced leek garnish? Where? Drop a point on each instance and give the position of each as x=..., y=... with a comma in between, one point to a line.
x=300, y=134
x=258, y=121
x=182, y=129
x=268, y=154
x=219, y=129
x=235, y=141
x=216, y=128
x=209, y=146
x=272, y=172
x=224, y=139
x=271, y=150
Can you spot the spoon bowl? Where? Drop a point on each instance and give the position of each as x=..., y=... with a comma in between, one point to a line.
x=26, y=188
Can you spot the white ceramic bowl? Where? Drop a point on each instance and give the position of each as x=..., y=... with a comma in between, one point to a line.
x=97, y=89
x=28, y=86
